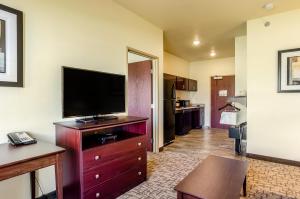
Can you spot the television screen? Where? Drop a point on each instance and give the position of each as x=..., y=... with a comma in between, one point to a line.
x=91, y=93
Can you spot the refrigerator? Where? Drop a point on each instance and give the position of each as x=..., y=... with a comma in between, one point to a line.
x=169, y=109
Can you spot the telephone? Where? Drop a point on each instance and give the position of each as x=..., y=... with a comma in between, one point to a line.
x=20, y=138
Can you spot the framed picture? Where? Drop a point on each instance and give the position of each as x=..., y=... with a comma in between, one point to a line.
x=289, y=71
x=11, y=47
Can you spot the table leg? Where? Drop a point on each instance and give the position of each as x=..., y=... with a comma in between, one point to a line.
x=179, y=195
x=245, y=187
x=59, y=176
x=32, y=184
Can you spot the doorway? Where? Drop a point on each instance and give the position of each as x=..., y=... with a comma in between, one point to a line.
x=142, y=91
x=222, y=88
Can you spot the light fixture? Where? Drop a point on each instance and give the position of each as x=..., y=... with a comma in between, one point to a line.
x=196, y=42
x=212, y=53
x=267, y=24
x=268, y=6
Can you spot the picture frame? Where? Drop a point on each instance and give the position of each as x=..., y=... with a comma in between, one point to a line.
x=11, y=47
x=289, y=71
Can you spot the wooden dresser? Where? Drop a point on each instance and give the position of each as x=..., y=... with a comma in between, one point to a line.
x=97, y=169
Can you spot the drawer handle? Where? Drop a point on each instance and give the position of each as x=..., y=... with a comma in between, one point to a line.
x=139, y=144
x=97, y=195
x=97, y=176
x=139, y=158
x=139, y=173
x=97, y=157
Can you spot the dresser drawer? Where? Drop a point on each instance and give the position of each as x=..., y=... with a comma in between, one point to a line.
x=98, y=155
x=111, y=169
x=118, y=185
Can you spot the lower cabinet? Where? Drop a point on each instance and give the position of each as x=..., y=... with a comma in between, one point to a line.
x=103, y=160
x=183, y=123
x=189, y=119
x=196, y=119
x=118, y=185
x=111, y=170
x=134, y=160
x=179, y=123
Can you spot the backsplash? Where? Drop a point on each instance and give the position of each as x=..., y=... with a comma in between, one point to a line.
x=182, y=95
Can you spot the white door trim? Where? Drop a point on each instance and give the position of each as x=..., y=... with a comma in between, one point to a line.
x=155, y=91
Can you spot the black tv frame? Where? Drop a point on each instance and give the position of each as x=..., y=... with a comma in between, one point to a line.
x=90, y=118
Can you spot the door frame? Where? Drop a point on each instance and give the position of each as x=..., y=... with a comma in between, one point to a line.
x=155, y=93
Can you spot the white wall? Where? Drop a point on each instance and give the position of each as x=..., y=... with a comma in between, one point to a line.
x=202, y=71
x=273, y=118
x=91, y=35
x=240, y=65
x=177, y=66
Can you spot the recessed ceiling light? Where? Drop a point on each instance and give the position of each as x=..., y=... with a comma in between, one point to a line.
x=212, y=53
x=268, y=6
x=267, y=24
x=196, y=42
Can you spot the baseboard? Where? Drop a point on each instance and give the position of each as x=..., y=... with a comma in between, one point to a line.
x=51, y=195
x=272, y=159
x=161, y=149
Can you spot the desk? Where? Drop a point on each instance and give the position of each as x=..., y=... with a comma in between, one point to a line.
x=15, y=161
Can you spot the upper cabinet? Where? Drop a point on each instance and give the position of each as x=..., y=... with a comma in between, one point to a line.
x=182, y=83
x=169, y=77
x=192, y=85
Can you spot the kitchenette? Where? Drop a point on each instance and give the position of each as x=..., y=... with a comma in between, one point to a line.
x=188, y=117
x=180, y=115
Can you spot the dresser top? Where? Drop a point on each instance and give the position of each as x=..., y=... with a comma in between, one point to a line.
x=101, y=123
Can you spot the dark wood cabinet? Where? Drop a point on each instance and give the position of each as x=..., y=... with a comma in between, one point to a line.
x=97, y=169
x=183, y=122
x=179, y=123
x=182, y=83
x=169, y=77
x=188, y=119
x=196, y=119
x=192, y=85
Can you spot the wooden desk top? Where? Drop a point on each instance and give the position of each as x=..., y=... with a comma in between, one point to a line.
x=10, y=155
x=98, y=124
x=216, y=177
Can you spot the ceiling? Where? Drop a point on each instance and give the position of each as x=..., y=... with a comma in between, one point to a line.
x=214, y=22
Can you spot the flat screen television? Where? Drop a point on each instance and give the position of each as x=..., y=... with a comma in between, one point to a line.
x=91, y=93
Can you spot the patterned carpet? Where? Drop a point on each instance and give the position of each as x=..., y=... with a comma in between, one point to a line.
x=164, y=172
x=265, y=180
x=271, y=180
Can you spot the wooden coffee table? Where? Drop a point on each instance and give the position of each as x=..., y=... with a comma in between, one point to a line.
x=215, y=178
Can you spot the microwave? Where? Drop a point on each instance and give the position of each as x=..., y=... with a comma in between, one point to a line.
x=184, y=103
